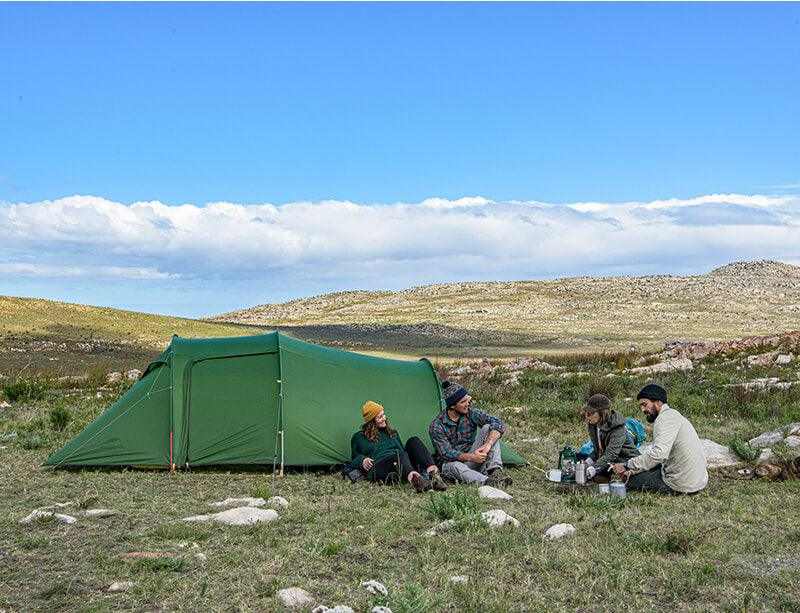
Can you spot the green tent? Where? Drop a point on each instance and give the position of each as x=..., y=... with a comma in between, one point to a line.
x=266, y=399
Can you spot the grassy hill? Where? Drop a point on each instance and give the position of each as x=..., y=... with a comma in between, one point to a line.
x=582, y=313
x=63, y=338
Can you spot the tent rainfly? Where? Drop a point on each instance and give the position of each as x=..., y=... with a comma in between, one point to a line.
x=266, y=399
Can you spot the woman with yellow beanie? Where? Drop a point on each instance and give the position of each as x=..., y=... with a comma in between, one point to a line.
x=379, y=454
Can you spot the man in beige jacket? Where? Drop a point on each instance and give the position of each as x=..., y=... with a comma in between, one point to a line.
x=675, y=463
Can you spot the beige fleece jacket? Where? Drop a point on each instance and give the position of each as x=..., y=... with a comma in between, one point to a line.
x=678, y=449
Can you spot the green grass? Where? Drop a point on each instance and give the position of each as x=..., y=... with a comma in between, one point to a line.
x=731, y=548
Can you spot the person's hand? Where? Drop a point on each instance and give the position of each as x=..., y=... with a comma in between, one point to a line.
x=626, y=475
x=367, y=464
x=591, y=471
x=478, y=457
x=619, y=469
x=484, y=449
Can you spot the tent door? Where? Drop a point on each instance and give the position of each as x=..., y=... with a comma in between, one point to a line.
x=233, y=410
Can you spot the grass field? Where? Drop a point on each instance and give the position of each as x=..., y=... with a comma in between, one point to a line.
x=734, y=547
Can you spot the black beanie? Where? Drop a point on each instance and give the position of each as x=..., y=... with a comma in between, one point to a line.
x=452, y=392
x=652, y=391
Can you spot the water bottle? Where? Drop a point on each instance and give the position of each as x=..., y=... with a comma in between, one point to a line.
x=580, y=473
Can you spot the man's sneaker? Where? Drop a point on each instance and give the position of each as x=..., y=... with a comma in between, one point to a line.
x=497, y=478
x=419, y=484
x=438, y=483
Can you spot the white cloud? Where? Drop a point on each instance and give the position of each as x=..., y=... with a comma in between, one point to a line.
x=349, y=244
x=98, y=272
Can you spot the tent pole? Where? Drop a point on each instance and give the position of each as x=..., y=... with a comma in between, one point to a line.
x=282, y=448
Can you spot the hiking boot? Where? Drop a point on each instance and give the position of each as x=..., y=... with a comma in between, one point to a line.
x=438, y=483
x=497, y=478
x=419, y=484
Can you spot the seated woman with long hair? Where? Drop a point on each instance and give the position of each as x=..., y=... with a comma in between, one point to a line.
x=379, y=454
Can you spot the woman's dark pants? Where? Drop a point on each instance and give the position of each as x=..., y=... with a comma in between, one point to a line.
x=415, y=458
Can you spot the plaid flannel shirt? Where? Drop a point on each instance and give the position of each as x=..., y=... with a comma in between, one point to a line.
x=452, y=438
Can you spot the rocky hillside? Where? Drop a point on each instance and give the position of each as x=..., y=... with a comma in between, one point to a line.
x=739, y=299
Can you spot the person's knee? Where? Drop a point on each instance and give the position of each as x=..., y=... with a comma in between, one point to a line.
x=485, y=429
x=414, y=441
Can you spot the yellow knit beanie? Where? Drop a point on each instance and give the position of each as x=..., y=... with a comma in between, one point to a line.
x=370, y=410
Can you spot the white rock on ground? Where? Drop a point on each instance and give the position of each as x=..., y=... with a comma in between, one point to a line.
x=339, y=608
x=5, y=405
x=497, y=517
x=792, y=441
x=762, y=359
x=559, y=531
x=775, y=436
x=380, y=610
x=241, y=516
x=459, y=579
x=719, y=456
x=98, y=513
x=766, y=456
x=784, y=359
x=278, y=501
x=113, y=377
x=375, y=587
x=121, y=586
x=487, y=491
x=133, y=374
x=671, y=365
x=295, y=598
x=200, y=558
x=238, y=502
x=39, y=514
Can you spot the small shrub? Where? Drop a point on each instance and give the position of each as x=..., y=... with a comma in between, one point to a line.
x=458, y=504
x=25, y=389
x=175, y=565
x=97, y=375
x=59, y=417
x=744, y=450
x=31, y=440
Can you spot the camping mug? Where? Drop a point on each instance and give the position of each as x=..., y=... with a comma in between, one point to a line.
x=617, y=489
x=603, y=488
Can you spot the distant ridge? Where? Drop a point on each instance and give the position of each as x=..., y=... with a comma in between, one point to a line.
x=758, y=267
x=739, y=299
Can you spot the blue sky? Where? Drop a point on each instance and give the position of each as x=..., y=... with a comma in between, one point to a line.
x=385, y=107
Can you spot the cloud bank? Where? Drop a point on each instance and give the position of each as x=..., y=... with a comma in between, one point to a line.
x=346, y=244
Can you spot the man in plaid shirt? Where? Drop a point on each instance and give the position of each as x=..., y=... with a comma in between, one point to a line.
x=467, y=440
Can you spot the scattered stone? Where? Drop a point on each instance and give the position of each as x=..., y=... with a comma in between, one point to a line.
x=765, y=456
x=487, y=491
x=7, y=438
x=380, y=610
x=784, y=358
x=792, y=441
x=295, y=598
x=113, y=377
x=238, y=502
x=719, y=456
x=133, y=374
x=775, y=436
x=39, y=514
x=98, y=513
x=459, y=579
x=201, y=558
x=762, y=359
x=375, y=587
x=5, y=405
x=559, y=531
x=497, y=517
x=121, y=586
x=670, y=365
x=240, y=516
x=98, y=395
x=339, y=608
x=278, y=501
x=531, y=440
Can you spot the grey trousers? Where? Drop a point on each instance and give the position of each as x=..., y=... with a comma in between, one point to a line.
x=650, y=481
x=472, y=472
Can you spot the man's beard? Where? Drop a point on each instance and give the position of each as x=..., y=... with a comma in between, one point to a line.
x=651, y=417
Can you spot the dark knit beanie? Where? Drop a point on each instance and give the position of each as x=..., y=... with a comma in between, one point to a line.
x=452, y=392
x=597, y=403
x=652, y=392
